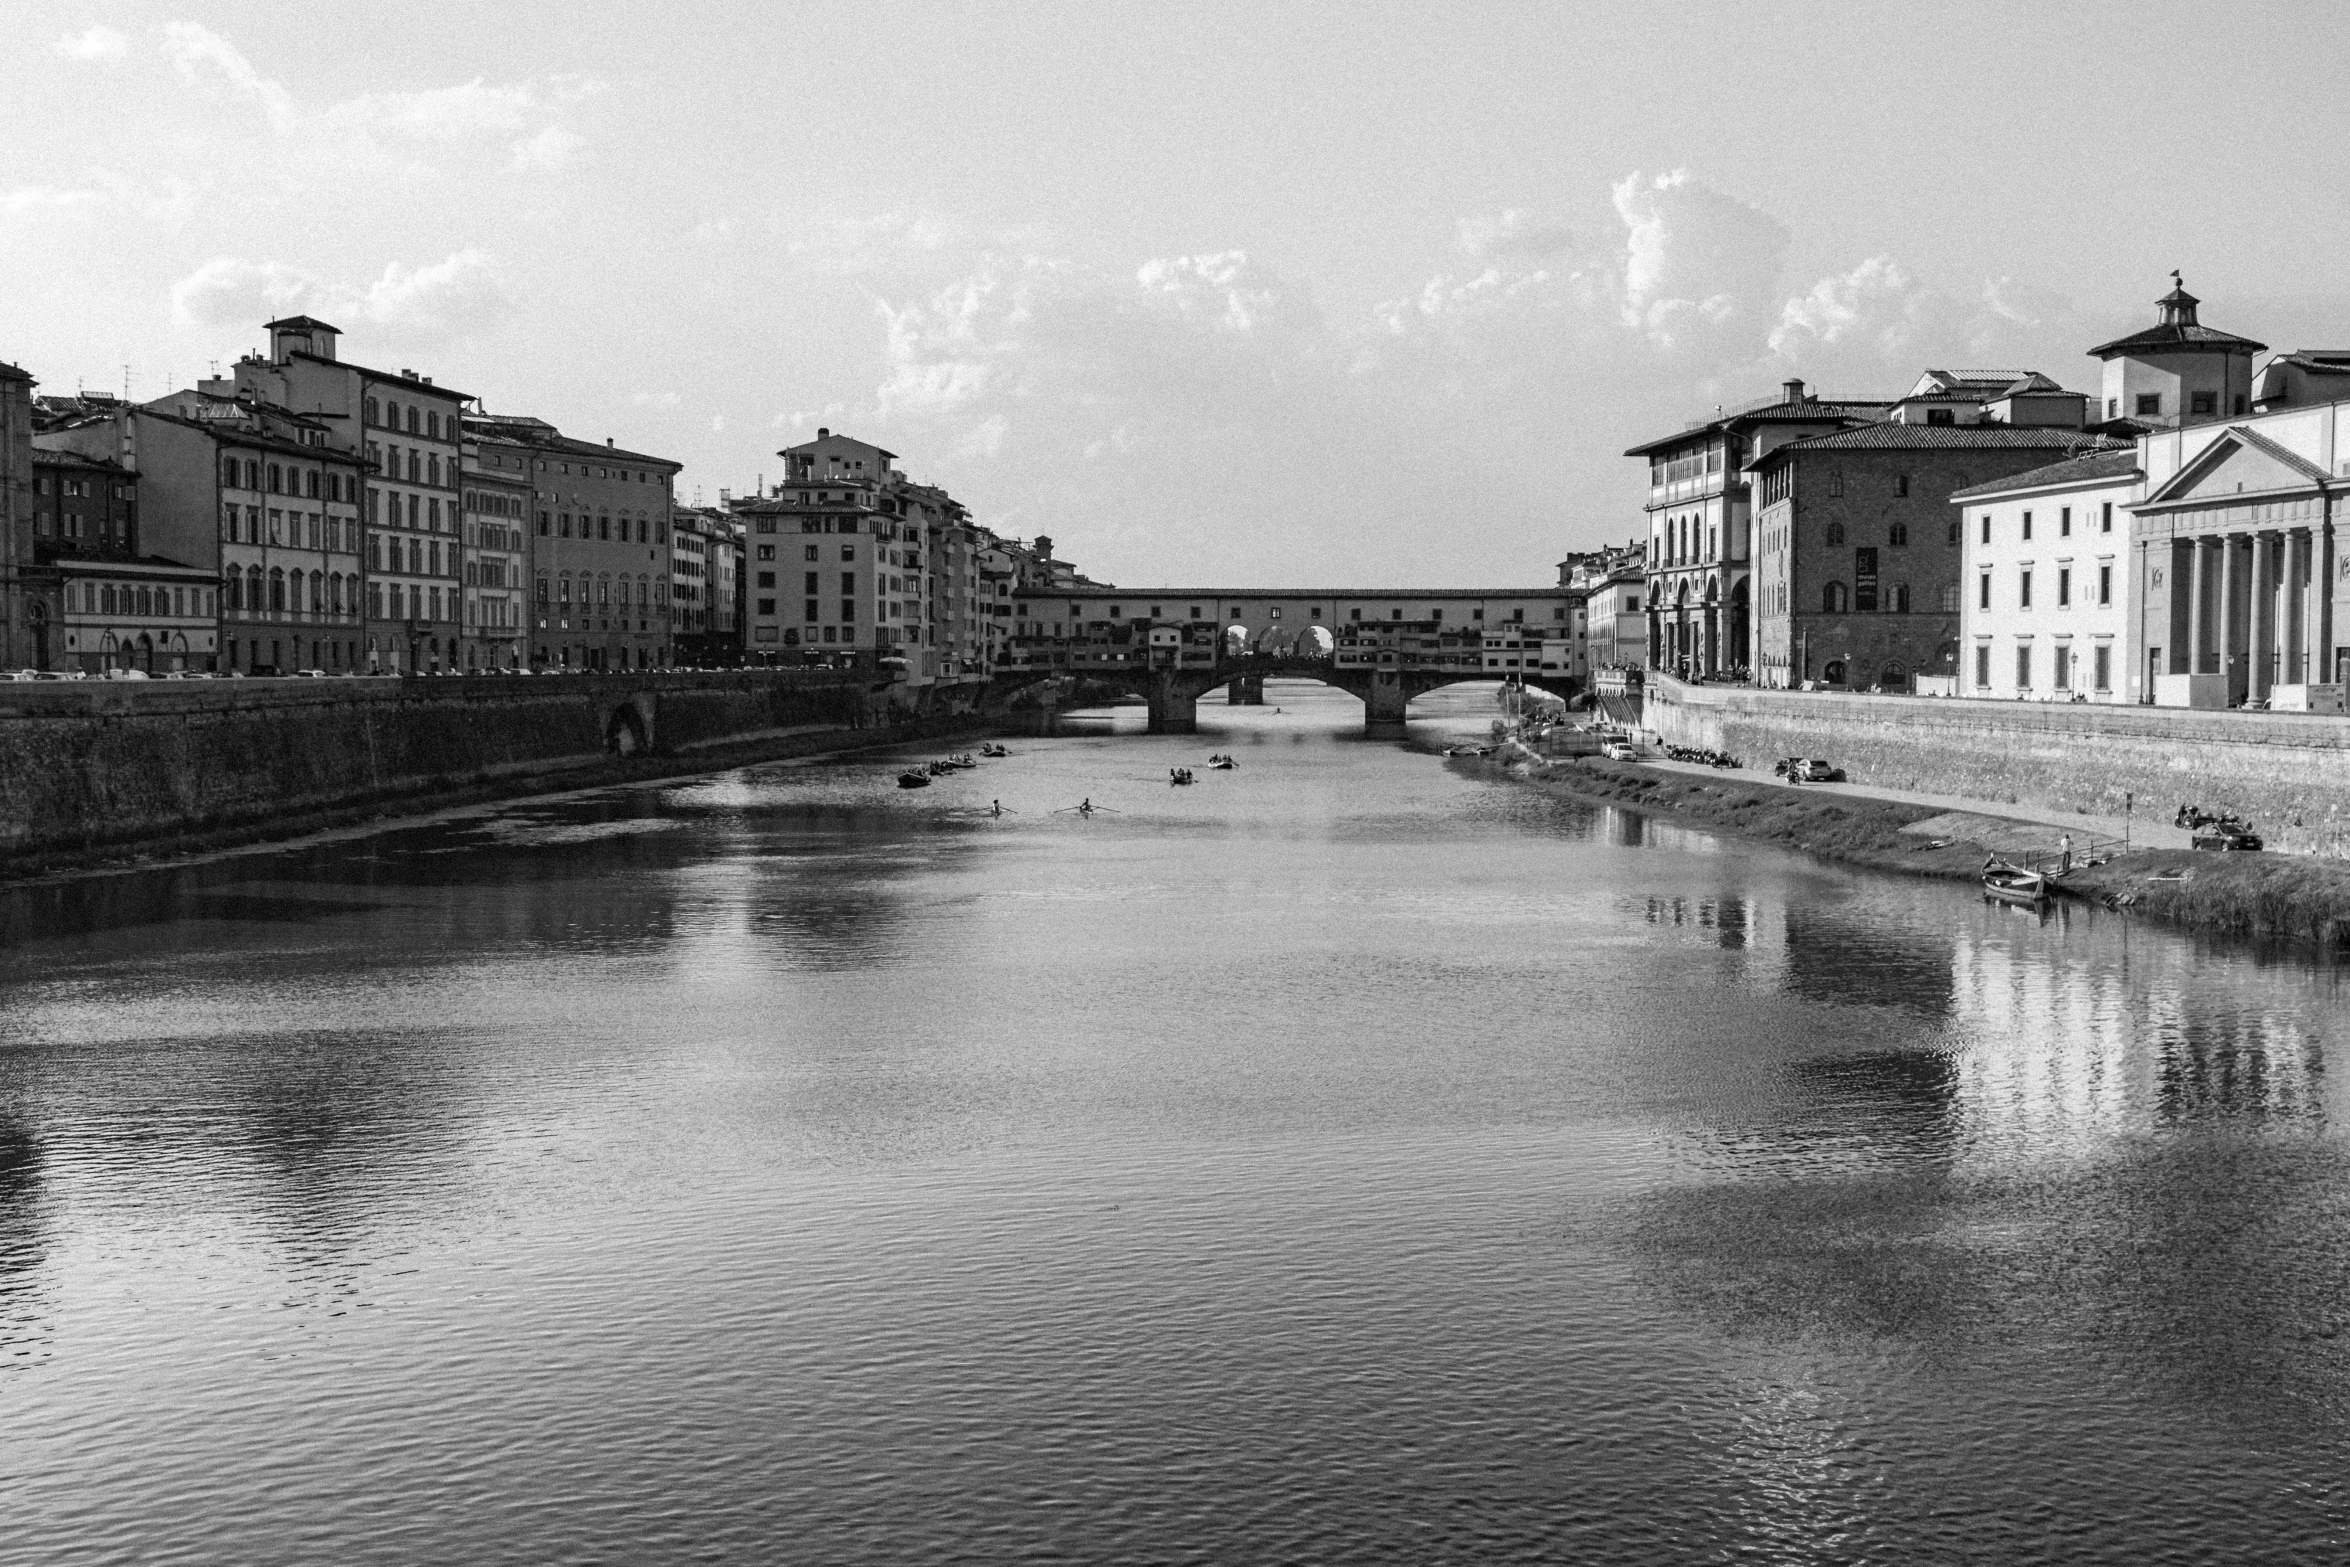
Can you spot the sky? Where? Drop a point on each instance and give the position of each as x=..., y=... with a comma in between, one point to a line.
x=1211, y=293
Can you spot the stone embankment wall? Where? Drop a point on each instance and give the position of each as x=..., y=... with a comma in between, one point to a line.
x=2288, y=772
x=91, y=763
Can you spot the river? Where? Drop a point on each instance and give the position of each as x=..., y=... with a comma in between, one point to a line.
x=1352, y=1157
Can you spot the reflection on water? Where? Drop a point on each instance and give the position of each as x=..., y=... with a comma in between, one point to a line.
x=1349, y=1157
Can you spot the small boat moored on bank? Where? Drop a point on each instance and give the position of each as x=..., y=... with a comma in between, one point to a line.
x=2005, y=883
x=913, y=780
x=991, y=750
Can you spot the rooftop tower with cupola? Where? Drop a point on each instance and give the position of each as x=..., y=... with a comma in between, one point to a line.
x=2178, y=371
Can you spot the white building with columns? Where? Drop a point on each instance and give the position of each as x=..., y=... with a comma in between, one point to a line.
x=2242, y=580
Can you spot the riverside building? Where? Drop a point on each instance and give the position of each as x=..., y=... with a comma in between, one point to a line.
x=2046, y=582
x=17, y=636
x=94, y=601
x=495, y=544
x=1699, y=590
x=600, y=566
x=409, y=432
x=837, y=562
x=1858, y=553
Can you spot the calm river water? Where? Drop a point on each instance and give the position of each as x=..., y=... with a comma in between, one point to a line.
x=1349, y=1158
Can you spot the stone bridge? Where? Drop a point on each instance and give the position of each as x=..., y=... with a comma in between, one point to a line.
x=1173, y=691
x=1172, y=646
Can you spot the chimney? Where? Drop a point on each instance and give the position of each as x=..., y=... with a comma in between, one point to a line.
x=607, y=440
x=1793, y=387
x=823, y=434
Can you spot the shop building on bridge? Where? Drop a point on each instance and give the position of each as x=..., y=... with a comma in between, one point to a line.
x=1484, y=634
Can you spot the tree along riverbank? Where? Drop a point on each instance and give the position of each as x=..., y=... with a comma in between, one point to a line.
x=2270, y=896
x=447, y=793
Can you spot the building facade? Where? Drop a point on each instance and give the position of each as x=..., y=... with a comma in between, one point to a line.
x=1858, y=553
x=2243, y=583
x=93, y=602
x=282, y=503
x=599, y=546
x=2177, y=372
x=18, y=638
x=410, y=433
x=2046, y=583
x=837, y=565
x=1699, y=589
x=495, y=513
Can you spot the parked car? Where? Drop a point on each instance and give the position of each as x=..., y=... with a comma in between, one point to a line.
x=1620, y=751
x=1811, y=769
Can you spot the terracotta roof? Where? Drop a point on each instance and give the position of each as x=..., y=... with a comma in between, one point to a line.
x=1104, y=590
x=418, y=387
x=2073, y=470
x=1976, y=437
x=2316, y=362
x=300, y=322
x=2035, y=382
x=2186, y=337
x=1808, y=410
x=60, y=457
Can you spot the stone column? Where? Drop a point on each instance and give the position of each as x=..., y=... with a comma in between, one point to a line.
x=2231, y=576
x=1383, y=707
x=2322, y=593
x=2260, y=616
x=2292, y=616
x=1173, y=711
x=2198, y=602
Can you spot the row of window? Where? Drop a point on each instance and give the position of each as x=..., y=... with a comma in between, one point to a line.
x=142, y=599
x=2148, y=405
x=421, y=557
x=426, y=422
x=2061, y=667
x=558, y=525
x=281, y=592
x=2064, y=586
x=429, y=518
x=604, y=591
x=81, y=488
x=249, y=473
x=2064, y=523
x=413, y=466
x=1836, y=599
x=292, y=530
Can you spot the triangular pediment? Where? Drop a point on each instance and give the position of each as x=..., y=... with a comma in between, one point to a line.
x=2240, y=462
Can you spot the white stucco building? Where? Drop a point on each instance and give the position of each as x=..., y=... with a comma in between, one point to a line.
x=2046, y=582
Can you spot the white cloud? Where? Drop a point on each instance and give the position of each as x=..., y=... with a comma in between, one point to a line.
x=37, y=198
x=655, y=399
x=456, y=297
x=521, y=113
x=985, y=438
x=551, y=148
x=203, y=57
x=1515, y=235
x=1699, y=265
x=718, y=424
x=97, y=42
x=1876, y=301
